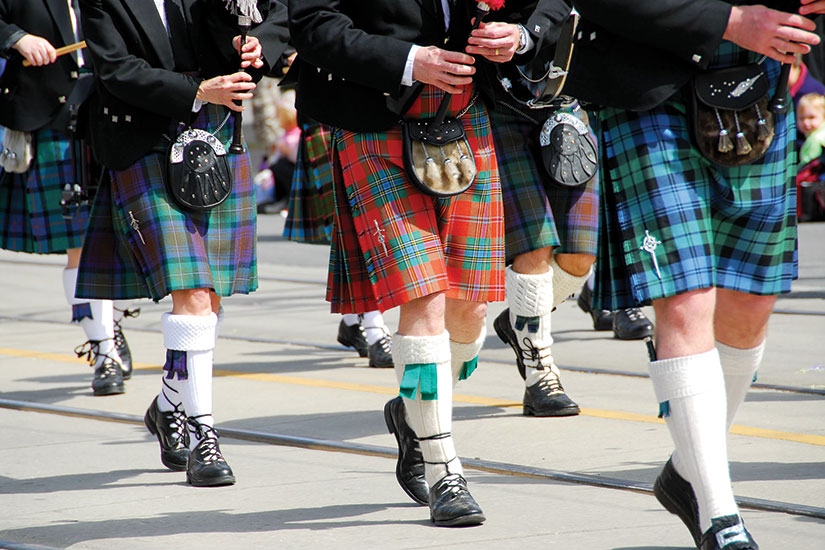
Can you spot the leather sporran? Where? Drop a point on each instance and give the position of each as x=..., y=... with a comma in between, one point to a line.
x=568, y=150
x=730, y=119
x=198, y=177
x=437, y=157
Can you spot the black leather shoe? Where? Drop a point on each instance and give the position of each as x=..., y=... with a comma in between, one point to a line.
x=353, y=337
x=206, y=466
x=452, y=505
x=380, y=353
x=631, y=324
x=547, y=398
x=602, y=318
x=676, y=494
x=409, y=469
x=504, y=330
x=727, y=533
x=108, y=378
x=122, y=345
x=170, y=429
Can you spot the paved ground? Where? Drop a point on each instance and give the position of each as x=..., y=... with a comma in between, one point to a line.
x=69, y=480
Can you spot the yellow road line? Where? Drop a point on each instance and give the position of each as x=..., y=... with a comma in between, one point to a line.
x=748, y=431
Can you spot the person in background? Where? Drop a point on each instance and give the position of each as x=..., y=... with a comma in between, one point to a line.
x=48, y=177
x=310, y=220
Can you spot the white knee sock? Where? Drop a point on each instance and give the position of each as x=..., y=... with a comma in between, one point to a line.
x=94, y=316
x=691, y=397
x=194, y=335
x=351, y=319
x=739, y=368
x=564, y=283
x=530, y=298
x=374, y=328
x=464, y=357
x=422, y=365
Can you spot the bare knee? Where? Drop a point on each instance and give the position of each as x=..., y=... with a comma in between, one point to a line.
x=422, y=316
x=577, y=265
x=465, y=320
x=684, y=323
x=195, y=301
x=534, y=262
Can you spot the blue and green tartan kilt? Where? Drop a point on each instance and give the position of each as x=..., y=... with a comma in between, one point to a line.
x=30, y=213
x=311, y=202
x=140, y=244
x=537, y=212
x=705, y=225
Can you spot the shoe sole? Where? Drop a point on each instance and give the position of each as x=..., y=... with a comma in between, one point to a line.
x=111, y=390
x=461, y=521
x=175, y=467
x=504, y=337
x=394, y=431
x=381, y=366
x=216, y=482
x=633, y=337
x=567, y=411
x=350, y=344
x=673, y=507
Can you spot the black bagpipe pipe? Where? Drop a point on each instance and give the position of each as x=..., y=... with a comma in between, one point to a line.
x=247, y=13
x=779, y=102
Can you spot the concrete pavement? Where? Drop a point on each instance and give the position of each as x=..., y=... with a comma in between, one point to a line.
x=71, y=480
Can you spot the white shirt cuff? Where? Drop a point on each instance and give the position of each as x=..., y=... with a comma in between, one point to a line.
x=196, y=106
x=528, y=45
x=407, y=78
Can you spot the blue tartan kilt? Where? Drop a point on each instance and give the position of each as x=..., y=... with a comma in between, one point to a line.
x=30, y=214
x=537, y=212
x=311, y=203
x=141, y=244
x=673, y=222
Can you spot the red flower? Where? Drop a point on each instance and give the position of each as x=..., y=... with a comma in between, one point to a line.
x=490, y=5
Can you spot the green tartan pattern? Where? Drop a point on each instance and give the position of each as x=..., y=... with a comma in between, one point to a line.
x=674, y=222
x=30, y=215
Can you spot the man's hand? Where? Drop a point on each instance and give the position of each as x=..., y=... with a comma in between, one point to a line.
x=252, y=52
x=777, y=34
x=36, y=50
x=812, y=6
x=496, y=42
x=224, y=90
x=443, y=69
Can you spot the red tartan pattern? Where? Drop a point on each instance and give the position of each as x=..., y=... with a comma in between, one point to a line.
x=392, y=243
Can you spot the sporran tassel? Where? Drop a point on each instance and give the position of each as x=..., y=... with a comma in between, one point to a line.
x=743, y=146
x=763, y=133
x=725, y=143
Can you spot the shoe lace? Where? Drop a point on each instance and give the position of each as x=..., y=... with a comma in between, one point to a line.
x=550, y=383
x=533, y=354
x=90, y=350
x=208, y=440
x=453, y=484
x=635, y=314
x=110, y=367
x=119, y=338
x=177, y=424
x=386, y=344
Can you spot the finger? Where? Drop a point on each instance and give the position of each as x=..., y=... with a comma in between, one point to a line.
x=789, y=47
x=780, y=56
x=792, y=34
x=241, y=97
x=240, y=76
x=457, y=57
x=456, y=69
x=456, y=80
x=794, y=20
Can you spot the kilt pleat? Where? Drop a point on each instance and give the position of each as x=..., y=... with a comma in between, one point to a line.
x=394, y=244
x=537, y=212
x=30, y=215
x=310, y=210
x=707, y=226
x=160, y=247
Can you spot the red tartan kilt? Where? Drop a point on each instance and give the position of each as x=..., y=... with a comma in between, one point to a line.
x=392, y=243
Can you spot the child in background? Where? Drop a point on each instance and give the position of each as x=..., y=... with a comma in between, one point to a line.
x=810, y=114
